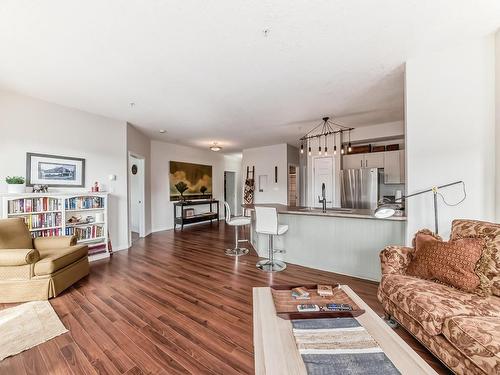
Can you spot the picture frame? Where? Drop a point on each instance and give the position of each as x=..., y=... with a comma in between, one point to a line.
x=54, y=170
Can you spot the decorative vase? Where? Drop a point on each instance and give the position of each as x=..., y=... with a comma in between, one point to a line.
x=16, y=188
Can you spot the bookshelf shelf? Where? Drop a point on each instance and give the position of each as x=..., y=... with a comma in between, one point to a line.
x=48, y=215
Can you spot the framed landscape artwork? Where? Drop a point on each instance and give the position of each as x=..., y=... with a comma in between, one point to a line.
x=190, y=181
x=55, y=171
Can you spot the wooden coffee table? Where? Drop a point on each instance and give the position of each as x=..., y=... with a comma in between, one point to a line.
x=276, y=352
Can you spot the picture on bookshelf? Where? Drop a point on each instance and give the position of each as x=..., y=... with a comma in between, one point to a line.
x=54, y=171
x=190, y=181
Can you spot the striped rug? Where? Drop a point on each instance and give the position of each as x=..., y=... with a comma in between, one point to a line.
x=339, y=346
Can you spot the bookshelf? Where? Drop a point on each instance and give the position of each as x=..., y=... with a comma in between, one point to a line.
x=64, y=214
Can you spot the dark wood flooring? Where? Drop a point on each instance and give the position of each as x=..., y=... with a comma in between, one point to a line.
x=172, y=304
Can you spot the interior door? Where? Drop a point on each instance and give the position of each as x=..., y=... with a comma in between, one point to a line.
x=323, y=174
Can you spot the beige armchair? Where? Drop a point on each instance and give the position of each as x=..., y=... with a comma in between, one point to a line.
x=40, y=268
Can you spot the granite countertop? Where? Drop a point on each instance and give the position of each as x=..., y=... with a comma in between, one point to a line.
x=330, y=212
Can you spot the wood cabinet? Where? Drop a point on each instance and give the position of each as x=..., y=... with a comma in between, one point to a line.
x=393, y=163
x=394, y=167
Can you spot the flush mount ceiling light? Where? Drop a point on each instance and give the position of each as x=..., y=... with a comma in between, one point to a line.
x=163, y=131
x=324, y=129
x=215, y=147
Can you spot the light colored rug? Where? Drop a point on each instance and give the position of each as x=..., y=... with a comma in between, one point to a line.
x=27, y=325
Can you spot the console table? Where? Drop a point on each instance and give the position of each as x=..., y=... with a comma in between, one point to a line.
x=196, y=218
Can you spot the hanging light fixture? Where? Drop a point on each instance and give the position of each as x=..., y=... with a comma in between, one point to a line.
x=324, y=129
x=349, y=148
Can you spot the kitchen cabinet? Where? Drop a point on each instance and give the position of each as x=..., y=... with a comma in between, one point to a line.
x=394, y=167
x=356, y=161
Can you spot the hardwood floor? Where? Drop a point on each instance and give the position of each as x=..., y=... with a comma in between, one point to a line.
x=172, y=304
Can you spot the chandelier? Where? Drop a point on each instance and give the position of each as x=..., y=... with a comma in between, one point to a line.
x=324, y=130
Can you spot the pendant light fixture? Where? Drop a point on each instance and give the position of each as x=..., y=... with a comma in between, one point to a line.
x=349, y=148
x=324, y=129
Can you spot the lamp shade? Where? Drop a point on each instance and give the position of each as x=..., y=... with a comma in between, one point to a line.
x=384, y=211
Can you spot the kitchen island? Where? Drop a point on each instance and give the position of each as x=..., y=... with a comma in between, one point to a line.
x=345, y=241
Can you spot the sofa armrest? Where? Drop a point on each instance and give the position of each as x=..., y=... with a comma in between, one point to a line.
x=18, y=257
x=55, y=242
x=395, y=259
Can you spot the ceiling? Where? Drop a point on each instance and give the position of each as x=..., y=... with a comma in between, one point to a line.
x=243, y=73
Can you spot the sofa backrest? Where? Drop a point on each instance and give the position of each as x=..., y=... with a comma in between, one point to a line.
x=14, y=234
x=491, y=233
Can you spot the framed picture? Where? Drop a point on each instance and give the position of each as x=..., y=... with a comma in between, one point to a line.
x=55, y=171
x=190, y=181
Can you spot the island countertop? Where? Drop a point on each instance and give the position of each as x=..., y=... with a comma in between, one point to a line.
x=331, y=212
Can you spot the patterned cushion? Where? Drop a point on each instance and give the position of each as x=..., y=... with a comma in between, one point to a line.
x=490, y=260
x=452, y=263
x=477, y=338
x=431, y=303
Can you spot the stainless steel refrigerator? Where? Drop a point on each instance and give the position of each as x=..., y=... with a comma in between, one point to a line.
x=359, y=188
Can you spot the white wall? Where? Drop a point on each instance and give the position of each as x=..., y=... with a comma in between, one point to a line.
x=32, y=125
x=387, y=129
x=232, y=163
x=140, y=145
x=161, y=154
x=450, y=132
x=265, y=159
x=497, y=106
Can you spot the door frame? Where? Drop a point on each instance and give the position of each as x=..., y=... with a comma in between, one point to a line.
x=142, y=185
x=313, y=187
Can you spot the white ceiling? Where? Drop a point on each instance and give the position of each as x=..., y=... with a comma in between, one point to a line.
x=205, y=70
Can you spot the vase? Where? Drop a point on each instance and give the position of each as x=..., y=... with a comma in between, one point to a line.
x=16, y=188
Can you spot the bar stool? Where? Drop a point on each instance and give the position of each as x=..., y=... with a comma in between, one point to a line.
x=236, y=222
x=267, y=223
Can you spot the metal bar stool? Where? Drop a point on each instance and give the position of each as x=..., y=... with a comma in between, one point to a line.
x=267, y=223
x=236, y=222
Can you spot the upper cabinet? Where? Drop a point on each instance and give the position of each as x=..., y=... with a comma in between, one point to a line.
x=393, y=163
x=356, y=161
x=394, y=167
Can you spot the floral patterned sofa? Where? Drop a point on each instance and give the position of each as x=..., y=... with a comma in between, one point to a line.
x=461, y=329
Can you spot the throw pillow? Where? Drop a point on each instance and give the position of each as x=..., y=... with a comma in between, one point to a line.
x=489, y=265
x=452, y=263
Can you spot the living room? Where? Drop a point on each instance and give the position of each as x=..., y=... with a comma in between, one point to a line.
x=178, y=181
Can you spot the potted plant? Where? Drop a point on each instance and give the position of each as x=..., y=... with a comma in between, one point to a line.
x=15, y=184
x=181, y=187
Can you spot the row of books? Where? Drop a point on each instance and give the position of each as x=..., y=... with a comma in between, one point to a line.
x=35, y=221
x=79, y=203
x=47, y=233
x=86, y=233
x=97, y=248
x=34, y=205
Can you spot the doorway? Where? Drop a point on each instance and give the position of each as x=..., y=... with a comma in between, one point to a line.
x=136, y=181
x=323, y=174
x=230, y=190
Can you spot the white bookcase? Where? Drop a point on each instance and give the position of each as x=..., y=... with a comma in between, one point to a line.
x=49, y=214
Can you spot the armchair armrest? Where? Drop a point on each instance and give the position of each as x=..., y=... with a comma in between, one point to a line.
x=395, y=259
x=55, y=242
x=18, y=257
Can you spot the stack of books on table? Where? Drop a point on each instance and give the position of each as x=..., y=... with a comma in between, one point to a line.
x=300, y=293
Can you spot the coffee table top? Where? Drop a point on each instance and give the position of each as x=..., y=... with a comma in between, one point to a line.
x=276, y=351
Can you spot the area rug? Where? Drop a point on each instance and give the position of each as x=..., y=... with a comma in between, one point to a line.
x=27, y=325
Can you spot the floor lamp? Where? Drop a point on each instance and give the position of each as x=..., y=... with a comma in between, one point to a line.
x=388, y=209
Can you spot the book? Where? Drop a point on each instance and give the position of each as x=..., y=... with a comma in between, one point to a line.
x=325, y=290
x=300, y=293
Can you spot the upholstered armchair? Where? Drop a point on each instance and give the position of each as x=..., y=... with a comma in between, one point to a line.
x=40, y=268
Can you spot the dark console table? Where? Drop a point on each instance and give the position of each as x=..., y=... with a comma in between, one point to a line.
x=204, y=216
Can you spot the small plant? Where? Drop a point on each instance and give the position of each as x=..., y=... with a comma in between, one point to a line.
x=14, y=180
x=181, y=188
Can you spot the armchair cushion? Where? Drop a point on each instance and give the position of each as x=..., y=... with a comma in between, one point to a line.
x=18, y=257
x=52, y=260
x=14, y=234
x=395, y=259
x=47, y=243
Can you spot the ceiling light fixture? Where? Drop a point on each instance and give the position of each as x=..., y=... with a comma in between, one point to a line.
x=215, y=147
x=326, y=128
x=162, y=131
